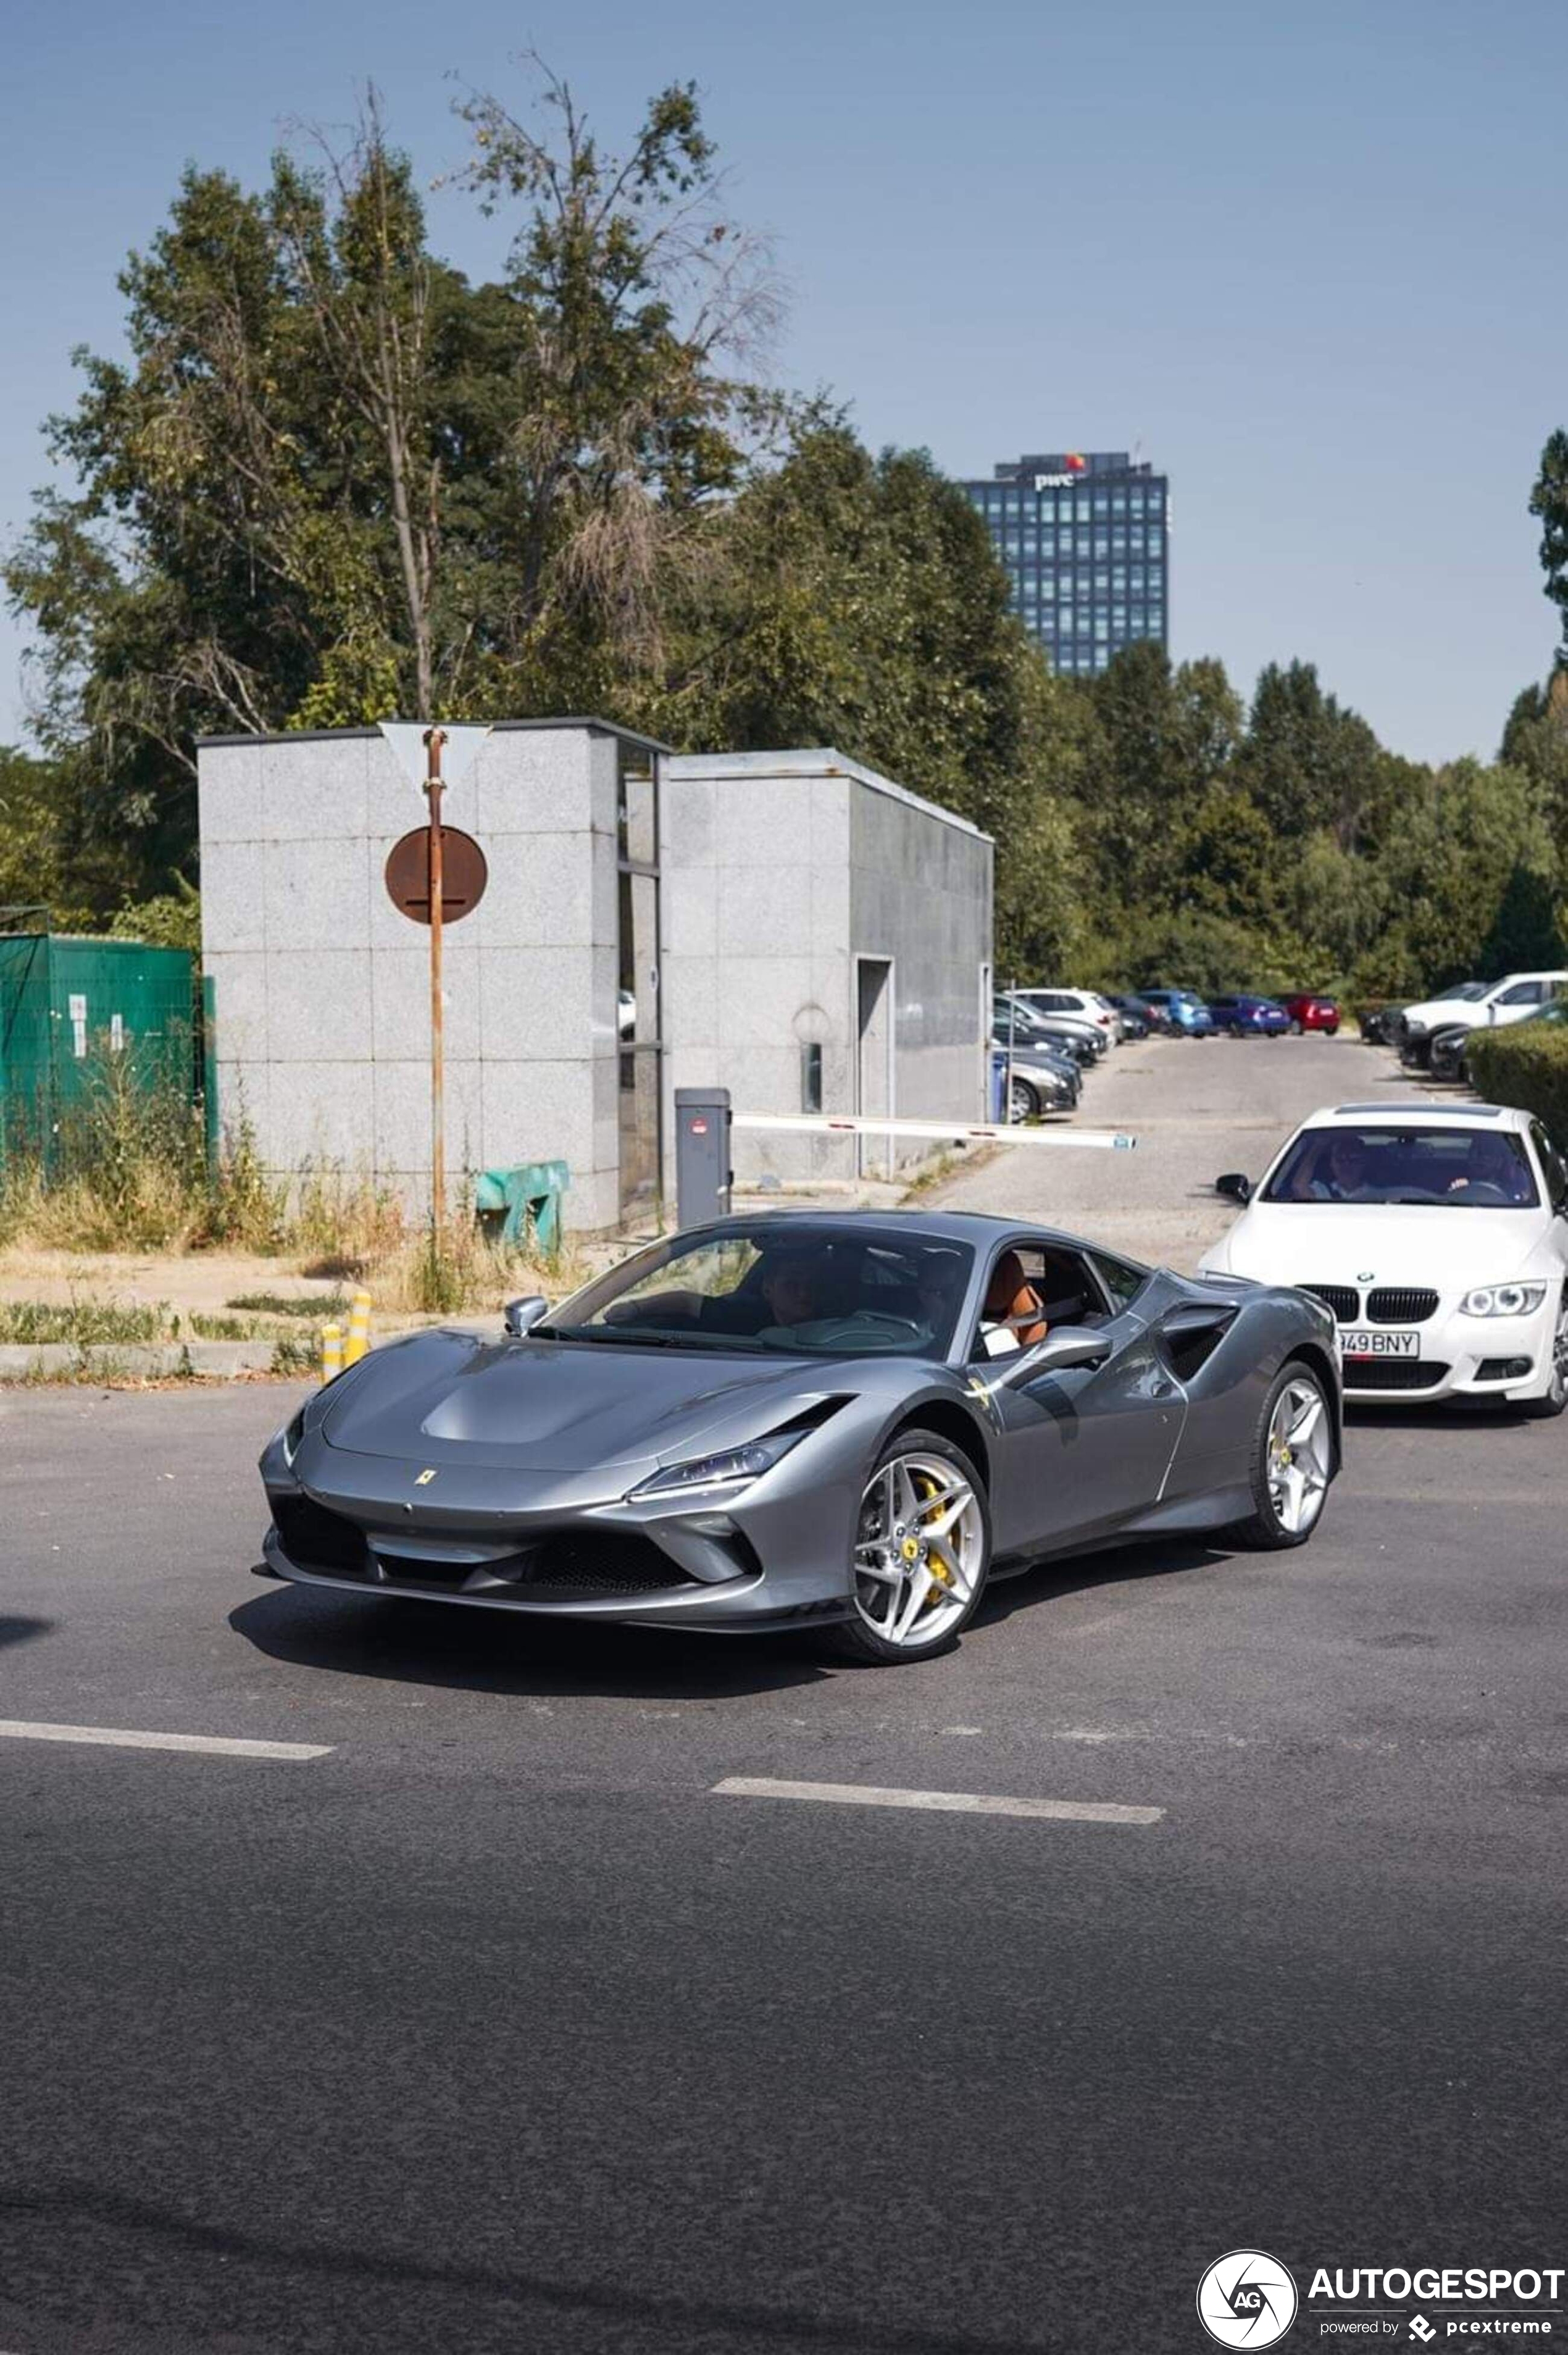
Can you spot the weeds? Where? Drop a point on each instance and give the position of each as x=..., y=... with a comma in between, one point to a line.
x=89, y=1324
x=124, y=1169
x=322, y=1306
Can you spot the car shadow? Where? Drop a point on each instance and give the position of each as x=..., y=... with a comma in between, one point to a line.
x=17, y=1630
x=405, y=1641
x=1112, y=1565
x=1443, y=1414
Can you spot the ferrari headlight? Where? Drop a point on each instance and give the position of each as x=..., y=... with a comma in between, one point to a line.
x=736, y=1467
x=1503, y=1300
x=292, y=1438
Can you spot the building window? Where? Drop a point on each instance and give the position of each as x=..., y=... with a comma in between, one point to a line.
x=1102, y=504
x=1048, y=586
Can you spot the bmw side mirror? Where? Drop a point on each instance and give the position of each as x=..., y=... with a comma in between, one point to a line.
x=523, y=1315
x=1069, y=1345
x=1236, y=1185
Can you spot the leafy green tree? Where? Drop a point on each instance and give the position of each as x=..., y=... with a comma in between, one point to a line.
x=1308, y=764
x=1549, y=502
x=331, y=481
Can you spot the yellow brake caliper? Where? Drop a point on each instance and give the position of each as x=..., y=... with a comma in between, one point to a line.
x=941, y=1575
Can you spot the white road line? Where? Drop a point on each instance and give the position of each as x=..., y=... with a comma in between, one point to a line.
x=967, y=1803
x=212, y=1746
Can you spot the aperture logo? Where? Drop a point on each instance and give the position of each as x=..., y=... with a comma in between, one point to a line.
x=1246, y=2299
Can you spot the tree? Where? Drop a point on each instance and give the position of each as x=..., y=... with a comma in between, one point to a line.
x=1549, y=500
x=1308, y=764
x=331, y=481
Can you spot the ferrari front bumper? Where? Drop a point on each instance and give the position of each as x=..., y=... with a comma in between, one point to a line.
x=557, y=1546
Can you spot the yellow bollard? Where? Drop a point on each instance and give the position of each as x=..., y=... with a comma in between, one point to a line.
x=332, y=1352
x=358, y=1328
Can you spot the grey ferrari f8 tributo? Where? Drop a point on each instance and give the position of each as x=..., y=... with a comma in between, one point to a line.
x=848, y=1422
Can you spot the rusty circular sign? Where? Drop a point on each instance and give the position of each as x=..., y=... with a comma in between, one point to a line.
x=464, y=874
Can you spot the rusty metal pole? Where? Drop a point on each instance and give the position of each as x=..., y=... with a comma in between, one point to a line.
x=434, y=739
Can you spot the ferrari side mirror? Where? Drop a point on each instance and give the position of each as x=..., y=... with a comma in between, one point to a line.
x=1069, y=1345
x=1236, y=1185
x=522, y=1315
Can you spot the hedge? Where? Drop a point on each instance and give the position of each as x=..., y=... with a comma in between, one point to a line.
x=1525, y=1063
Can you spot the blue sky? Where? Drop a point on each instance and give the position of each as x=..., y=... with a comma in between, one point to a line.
x=1309, y=255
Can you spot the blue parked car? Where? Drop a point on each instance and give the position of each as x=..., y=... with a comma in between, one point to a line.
x=1183, y=1009
x=1249, y=1017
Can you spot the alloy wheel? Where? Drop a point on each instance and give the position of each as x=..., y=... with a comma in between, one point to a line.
x=1560, y=1352
x=919, y=1549
x=1299, y=1455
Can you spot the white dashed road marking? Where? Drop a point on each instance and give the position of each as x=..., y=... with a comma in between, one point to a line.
x=112, y=1737
x=967, y=1802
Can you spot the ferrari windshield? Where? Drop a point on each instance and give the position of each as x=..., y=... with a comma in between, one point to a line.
x=790, y=1286
x=1454, y=1169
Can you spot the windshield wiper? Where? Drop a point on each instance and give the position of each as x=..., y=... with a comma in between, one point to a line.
x=644, y=1335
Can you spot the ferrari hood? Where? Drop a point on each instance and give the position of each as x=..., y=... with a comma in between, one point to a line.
x=1391, y=1244
x=541, y=1406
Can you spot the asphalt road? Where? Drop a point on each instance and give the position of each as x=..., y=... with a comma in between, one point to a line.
x=1197, y=1107
x=497, y=2026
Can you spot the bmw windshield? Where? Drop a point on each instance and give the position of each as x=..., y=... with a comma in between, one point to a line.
x=1451, y=1169
x=789, y=1287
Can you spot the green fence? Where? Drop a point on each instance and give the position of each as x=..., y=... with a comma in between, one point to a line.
x=71, y=1011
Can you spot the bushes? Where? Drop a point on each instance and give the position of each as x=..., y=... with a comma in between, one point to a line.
x=1525, y=1063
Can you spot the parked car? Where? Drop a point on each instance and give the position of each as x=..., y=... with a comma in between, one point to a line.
x=1249, y=1017
x=1039, y=1084
x=1437, y=1236
x=1446, y=1056
x=1077, y=1005
x=1309, y=1009
x=1449, y=1057
x=1013, y=1017
x=1138, y=1017
x=1475, y=1003
x=1377, y=1024
x=807, y=1421
x=1183, y=1009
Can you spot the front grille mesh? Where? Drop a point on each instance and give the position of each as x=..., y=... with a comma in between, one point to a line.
x=319, y=1540
x=1392, y=1306
x=1339, y=1298
x=1392, y=1373
x=606, y=1563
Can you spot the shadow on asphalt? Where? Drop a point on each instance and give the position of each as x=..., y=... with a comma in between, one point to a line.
x=1047, y=1582
x=1447, y=1414
x=17, y=1631
x=416, y=1642
x=406, y=1641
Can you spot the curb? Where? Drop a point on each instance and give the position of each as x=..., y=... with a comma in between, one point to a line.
x=215, y=1360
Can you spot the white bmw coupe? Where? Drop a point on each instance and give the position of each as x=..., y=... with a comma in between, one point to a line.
x=1439, y=1238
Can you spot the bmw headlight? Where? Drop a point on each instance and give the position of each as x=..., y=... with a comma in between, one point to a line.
x=1414, y=1030
x=1503, y=1300
x=736, y=1467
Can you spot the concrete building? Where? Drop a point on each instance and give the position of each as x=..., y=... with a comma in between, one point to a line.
x=1085, y=539
x=787, y=924
x=827, y=947
x=323, y=996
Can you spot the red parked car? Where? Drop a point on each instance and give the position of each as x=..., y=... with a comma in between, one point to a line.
x=1309, y=1010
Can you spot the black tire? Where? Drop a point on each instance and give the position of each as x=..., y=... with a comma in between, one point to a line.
x=1023, y=1101
x=853, y=1639
x=1262, y=1530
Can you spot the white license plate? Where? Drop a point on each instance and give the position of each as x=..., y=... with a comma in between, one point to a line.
x=1355, y=1342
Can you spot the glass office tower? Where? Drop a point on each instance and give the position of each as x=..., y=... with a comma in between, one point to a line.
x=1084, y=537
